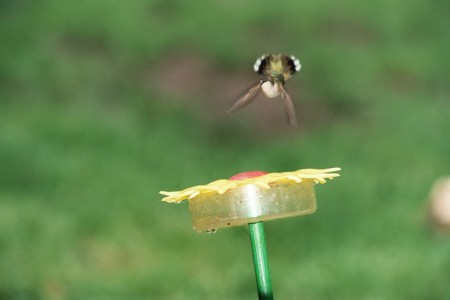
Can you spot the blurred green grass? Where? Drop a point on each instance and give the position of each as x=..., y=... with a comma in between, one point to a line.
x=87, y=140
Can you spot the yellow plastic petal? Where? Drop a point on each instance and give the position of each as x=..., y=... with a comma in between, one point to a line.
x=222, y=185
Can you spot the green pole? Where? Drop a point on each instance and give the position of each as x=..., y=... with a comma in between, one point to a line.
x=260, y=261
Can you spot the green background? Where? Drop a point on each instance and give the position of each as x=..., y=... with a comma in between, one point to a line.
x=105, y=103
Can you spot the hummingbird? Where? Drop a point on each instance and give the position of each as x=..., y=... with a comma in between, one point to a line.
x=274, y=70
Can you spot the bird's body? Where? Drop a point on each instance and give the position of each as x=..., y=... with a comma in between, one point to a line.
x=274, y=71
x=270, y=89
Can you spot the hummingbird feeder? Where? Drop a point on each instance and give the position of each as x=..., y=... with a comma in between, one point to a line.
x=251, y=198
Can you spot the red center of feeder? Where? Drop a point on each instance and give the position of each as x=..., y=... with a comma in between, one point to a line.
x=249, y=174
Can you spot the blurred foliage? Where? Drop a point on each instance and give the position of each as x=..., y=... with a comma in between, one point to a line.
x=88, y=137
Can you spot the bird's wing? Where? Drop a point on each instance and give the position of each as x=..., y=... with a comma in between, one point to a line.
x=288, y=106
x=247, y=98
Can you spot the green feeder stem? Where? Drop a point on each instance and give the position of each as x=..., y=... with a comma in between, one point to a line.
x=260, y=260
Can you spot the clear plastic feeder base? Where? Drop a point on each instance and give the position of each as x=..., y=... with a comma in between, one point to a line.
x=251, y=203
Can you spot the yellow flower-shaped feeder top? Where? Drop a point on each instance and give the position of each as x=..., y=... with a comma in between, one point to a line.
x=222, y=185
